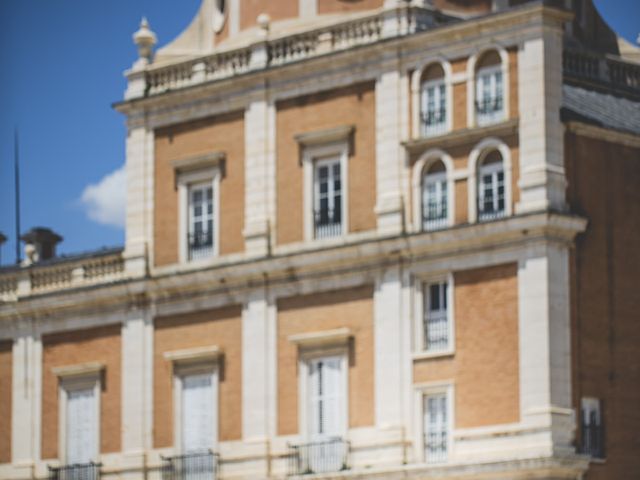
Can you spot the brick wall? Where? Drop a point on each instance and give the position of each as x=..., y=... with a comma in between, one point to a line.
x=351, y=308
x=485, y=367
x=603, y=187
x=220, y=327
x=102, y=345
x=224, y=133
x=354, y=105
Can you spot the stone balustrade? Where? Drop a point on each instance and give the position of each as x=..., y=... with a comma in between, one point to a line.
x=99, y=268
x=605, y=69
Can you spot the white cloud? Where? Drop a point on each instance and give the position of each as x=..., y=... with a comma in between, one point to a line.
x=105, y=201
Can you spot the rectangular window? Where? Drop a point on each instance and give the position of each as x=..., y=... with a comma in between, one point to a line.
x=327, y=198
x=81, y=425
x=326, y=397
x=592, y=428
x=436, y=317
x=436, y=427
x=489, y=96
x=434, y=109
x=491, y=202
x=197, y=412
x=200, y=221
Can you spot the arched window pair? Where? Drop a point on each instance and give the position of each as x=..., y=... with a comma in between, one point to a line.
x=489, y=81
x=488, y=187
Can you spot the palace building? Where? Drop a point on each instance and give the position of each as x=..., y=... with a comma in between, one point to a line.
x=368, y=239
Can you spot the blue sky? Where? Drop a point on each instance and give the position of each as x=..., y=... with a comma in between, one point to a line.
x=62, y=64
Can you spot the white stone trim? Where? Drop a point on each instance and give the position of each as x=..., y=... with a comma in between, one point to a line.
x=420, y=390
x=325, y=338
x=191, y=355
x=319, y=138
x=234, y=17
x=416, y=92
x=307, y=8
x=477, y=155
x=424, y=162
x=304, y=358
x=78, y=377
x=310, y=155
x=208, y=160
x=180, y=370
x=184, y=181
x=471, y=81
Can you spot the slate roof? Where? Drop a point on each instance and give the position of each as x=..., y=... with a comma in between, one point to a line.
x=600, y=109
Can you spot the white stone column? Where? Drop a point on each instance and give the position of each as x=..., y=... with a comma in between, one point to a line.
x=392, y=91
x=259, y=173
x=137, y=389
x=139, y=215
x=542, y=173
x=545, y=346
x=26, y=401
x=259, y=370
x=307, y=8
x=392, y=356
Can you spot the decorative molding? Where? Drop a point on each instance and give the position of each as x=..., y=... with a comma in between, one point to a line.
x=208, y=160
x=192, y=355
x=605, y=134
x=82, y=369
x=322, y=137
x=327, y=338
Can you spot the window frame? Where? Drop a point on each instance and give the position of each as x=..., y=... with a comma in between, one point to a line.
x=416, y=96
x=195, y=361
x=185, y=181
x=421, y=392
x=441, y=127
x=594, y=404
x=496, y=116
x=339, y=150
x=421, y=166
x=73, y=378
x=472, y=71
x=420, y=352
x=492, y=169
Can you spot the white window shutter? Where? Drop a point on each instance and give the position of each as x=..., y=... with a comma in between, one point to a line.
x=315, y=411
x=82, y=426
x=197, y=412
x=333, y=397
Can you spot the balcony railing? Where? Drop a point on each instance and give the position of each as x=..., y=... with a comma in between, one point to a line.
x=592, y=440
x=433, y=122
x=190, y=466
x=327, y=223
x=200, y=245
x=78, y=471
x=331, y=455
x=61, y=273
x=490, y=110
x=487, y=215
x=601, y=69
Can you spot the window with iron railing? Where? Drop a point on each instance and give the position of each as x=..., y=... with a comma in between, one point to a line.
x=201, y=221
x=191, y=466
x=436, y=323
x=436, y=427
x=592, y=429
x=491, y=188
x=433, y=112
x=322, y=456
x=327, y=198
x=489, y=96
x=77, y=471
x=435, y=209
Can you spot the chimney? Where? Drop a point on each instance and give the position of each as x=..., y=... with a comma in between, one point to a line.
x=40, y=244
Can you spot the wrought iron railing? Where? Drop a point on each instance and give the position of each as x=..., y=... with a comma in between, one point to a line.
x=436, y=331
x=490, y=110
x=592, y=440
x=200, y=245
x=76, y=471
x=327, y=223
x=190, y=466
x=434, y=122
x=486, y=215
x=330, y=455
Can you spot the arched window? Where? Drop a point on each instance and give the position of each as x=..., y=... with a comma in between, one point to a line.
x=435, y=198
x=489, y=79
x=433, y=101
x=491, y=187
x=219, y=15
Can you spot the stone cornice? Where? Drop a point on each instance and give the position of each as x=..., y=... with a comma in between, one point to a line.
x=232, y=278
x=605, y=134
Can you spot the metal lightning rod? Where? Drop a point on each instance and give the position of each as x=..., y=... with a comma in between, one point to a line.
x=17, y=190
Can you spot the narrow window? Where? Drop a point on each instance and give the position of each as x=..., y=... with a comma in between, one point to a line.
x=489, y=90
x=491, y=187
x=434, y=197
x=82, y=426
x=200, y=221
x=327, y=199
x=436, y=428
x=433, y=102
x=592, y=428
x=436, y=317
